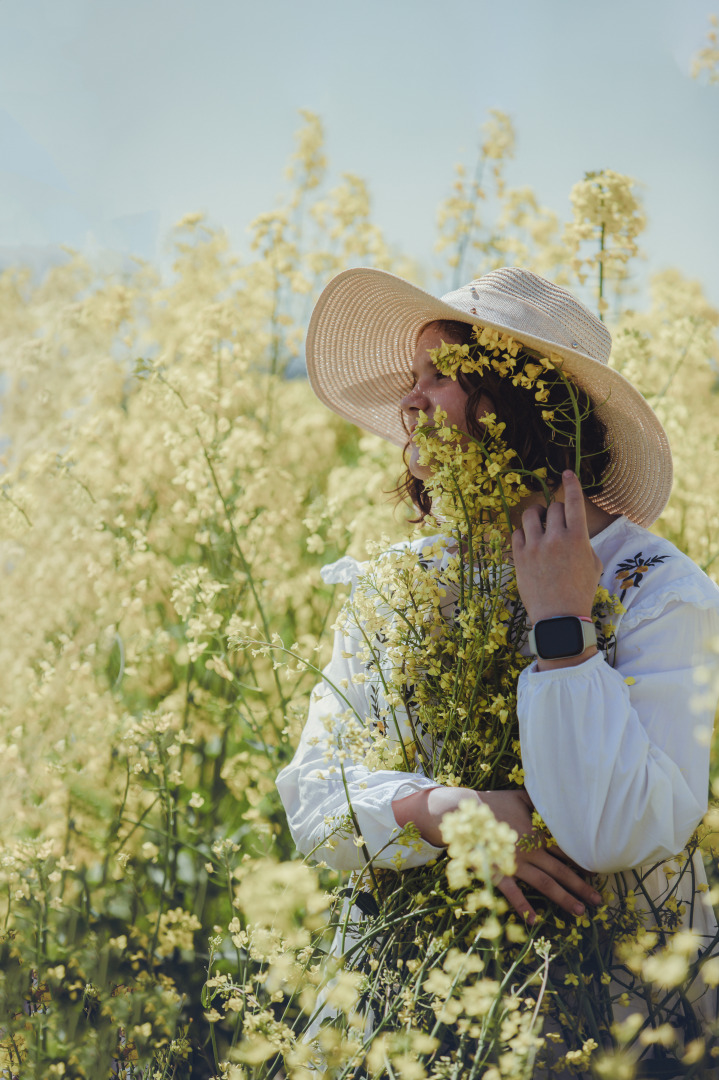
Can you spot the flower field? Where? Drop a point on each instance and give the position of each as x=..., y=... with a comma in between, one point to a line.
x=170, y=490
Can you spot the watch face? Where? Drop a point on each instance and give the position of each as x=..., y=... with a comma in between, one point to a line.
x=557, y=638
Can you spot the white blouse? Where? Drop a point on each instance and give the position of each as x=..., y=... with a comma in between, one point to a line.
x=616, y=756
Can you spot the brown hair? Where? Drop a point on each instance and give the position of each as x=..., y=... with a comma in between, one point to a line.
x=537, y=444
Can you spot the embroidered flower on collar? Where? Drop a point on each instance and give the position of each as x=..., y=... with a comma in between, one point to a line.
x=630, y=573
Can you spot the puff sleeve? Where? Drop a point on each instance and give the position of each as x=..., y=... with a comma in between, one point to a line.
x=616, y=759
x=321, y=782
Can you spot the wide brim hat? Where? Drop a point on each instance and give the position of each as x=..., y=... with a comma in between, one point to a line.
x=364, y=331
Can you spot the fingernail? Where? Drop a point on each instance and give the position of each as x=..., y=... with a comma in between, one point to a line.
x=596, y=898
x=579, y=909
x=567, y=473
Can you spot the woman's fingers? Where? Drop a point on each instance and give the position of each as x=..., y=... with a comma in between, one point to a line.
x=575, y=511
x=549, y=887
x=560, y=881
x=554, y=879
x=533, y=522
x=555, y=516
x=513, y=894
x=557, y=881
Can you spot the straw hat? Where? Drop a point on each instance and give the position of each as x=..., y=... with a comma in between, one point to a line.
x=364, y=330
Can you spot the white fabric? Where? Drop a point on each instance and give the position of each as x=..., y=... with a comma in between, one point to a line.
x=311, y=786
x=618, y=770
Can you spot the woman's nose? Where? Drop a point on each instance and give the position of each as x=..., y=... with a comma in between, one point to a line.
x=415, y=400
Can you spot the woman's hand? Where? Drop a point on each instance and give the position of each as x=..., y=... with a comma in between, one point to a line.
x=546, y=870
x=548, y=873
x=557, y=568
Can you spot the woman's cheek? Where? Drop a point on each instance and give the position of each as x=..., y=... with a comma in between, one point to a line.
x=454, y=404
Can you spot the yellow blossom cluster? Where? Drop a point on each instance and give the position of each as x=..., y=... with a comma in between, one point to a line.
x=706, y=60
x=602, y=237
x=478, y=846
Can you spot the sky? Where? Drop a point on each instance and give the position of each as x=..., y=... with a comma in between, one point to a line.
x=116, y=119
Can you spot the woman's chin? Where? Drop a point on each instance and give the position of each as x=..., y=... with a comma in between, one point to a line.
x=419, y=472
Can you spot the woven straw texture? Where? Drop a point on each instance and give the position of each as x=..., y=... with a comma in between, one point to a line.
x=364, y=331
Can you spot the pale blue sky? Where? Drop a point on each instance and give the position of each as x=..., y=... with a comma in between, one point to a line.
x=116, y=118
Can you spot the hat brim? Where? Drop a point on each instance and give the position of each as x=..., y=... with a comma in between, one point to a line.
x=360, y=343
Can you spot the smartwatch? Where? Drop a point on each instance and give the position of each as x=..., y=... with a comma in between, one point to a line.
x=562, y=636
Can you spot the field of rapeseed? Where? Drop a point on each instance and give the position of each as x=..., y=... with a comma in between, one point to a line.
x=170, y=491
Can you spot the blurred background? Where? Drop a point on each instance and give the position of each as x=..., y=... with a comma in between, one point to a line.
x=118, y=119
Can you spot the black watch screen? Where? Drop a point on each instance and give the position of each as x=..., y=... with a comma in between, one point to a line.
x=557, y=638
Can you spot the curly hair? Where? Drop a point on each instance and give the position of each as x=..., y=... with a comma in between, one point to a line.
x=536, y=442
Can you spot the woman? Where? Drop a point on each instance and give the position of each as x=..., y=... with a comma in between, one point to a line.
x=614, y=760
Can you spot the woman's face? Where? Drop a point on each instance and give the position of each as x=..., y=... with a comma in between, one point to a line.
x=431, y=391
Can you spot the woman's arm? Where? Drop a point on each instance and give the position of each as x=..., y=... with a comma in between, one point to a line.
x=323, y=781
x=538, y=867
x=616, y=760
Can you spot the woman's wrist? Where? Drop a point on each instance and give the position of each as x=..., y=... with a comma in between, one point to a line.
x=566, y=661
x=554, y=623
x=427, y=807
